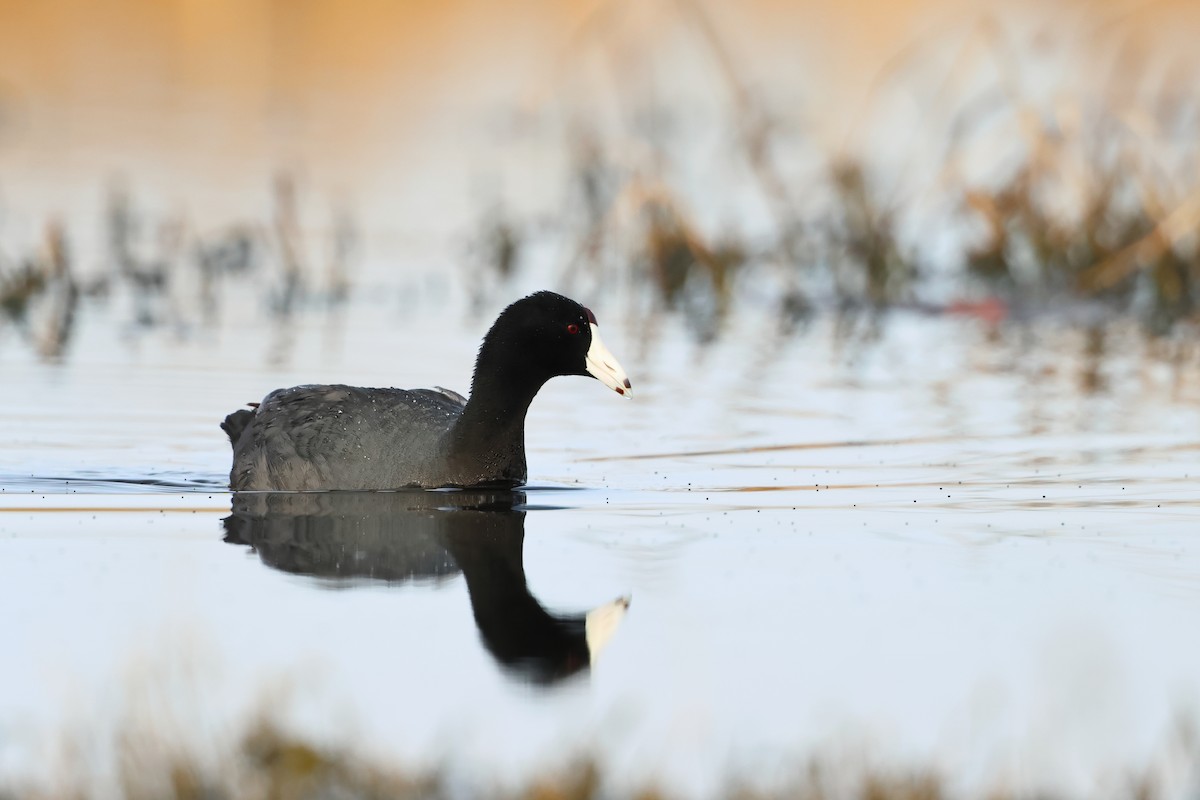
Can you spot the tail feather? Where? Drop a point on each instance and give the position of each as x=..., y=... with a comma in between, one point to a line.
x=236, y=423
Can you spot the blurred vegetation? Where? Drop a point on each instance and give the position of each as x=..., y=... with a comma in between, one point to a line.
x=1044, y=176
x=1124, y=239
x=39, y=295
x=163, y=275
x=1088, y=201
x=265, y=762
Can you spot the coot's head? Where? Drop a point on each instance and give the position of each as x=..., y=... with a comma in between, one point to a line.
x=546, y=334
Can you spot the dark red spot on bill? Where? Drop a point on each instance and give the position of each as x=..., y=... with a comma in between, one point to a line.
x=591, y=317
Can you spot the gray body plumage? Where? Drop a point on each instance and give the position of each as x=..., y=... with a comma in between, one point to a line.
x=345, y=437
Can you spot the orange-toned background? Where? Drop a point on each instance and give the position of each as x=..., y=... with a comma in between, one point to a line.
x=365, y=95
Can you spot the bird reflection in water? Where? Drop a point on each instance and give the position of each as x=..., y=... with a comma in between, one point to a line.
x=356, y=538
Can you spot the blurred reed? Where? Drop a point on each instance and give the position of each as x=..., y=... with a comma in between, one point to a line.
x=265, y=761
x=1089, y=201
x=1043, y=176
x=172, y=274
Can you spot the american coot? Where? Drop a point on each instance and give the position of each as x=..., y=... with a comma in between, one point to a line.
x=346, y=437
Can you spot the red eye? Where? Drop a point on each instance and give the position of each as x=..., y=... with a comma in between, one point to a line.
x=572, y=328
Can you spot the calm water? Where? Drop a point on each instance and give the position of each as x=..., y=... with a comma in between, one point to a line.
x=936, y=550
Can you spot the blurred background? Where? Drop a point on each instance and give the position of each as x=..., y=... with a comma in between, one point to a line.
x=990, y=159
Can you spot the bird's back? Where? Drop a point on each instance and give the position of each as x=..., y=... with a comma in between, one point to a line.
x=342, y=437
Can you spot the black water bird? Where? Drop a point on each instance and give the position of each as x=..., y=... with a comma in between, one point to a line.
x=347, y=437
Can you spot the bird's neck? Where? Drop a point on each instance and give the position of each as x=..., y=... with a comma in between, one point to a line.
x=494, y=417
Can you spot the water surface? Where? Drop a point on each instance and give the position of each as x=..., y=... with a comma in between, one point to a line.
x=938, y=549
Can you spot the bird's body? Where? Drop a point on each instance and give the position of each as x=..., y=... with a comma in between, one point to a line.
x=344, y=437
x=302, y=436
